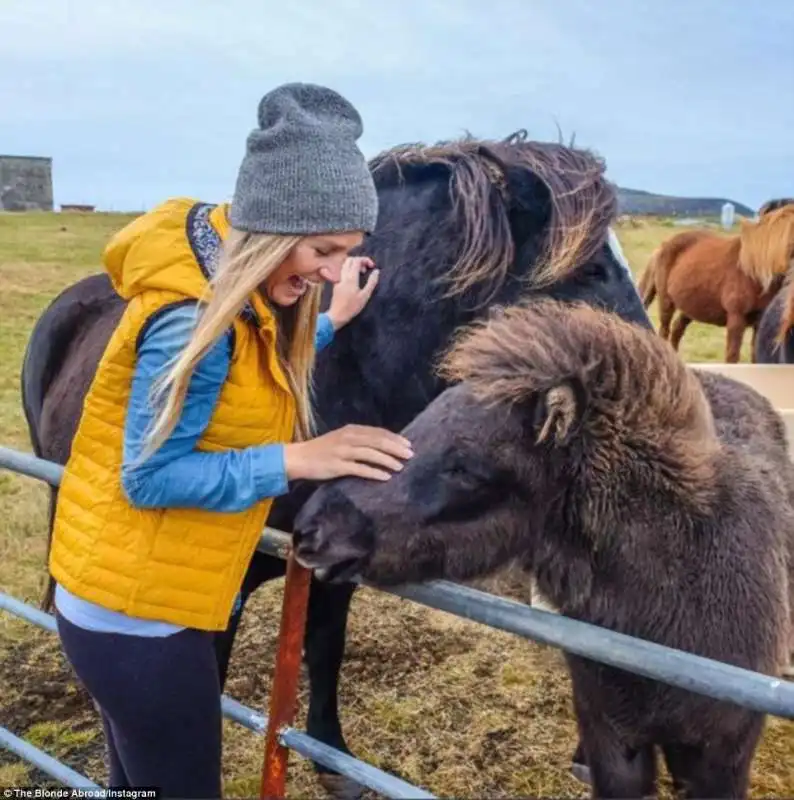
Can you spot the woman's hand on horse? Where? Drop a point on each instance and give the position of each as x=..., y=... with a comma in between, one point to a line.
x=358, y=450
x=349, y=298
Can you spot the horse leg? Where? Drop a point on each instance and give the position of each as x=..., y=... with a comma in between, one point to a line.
x=681, y=324
x=617, y=770
x=716, y=772
x=666, y=312
x=736, y=325
x=261, y=569
x=753, y=354
x=47, y=601
x=324, y=650
x=579, y=768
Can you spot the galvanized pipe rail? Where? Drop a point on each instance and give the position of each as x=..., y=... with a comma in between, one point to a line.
x=712, y=678
x=678, y=668
x=46, y=763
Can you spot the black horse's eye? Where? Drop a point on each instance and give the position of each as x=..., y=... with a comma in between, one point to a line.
x=594, y=269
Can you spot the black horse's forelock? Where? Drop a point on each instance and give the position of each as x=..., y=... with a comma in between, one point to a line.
x=582, y=204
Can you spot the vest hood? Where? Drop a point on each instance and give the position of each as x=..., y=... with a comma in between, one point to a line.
x=168, y=248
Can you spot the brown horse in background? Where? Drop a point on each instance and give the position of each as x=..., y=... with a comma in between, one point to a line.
x=720, y=280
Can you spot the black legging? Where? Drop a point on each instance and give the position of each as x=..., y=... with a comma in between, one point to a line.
x=161, y=706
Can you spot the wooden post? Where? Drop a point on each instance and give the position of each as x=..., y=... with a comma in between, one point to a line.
x=283, y=697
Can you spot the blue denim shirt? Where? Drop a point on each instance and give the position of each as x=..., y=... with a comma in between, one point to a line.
x=178, y=475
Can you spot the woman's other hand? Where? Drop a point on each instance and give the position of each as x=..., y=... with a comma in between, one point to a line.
x=348, y=298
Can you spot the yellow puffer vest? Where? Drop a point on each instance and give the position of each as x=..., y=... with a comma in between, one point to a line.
x=182, y=566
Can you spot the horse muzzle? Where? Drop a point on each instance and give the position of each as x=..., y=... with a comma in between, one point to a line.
x=332, y=536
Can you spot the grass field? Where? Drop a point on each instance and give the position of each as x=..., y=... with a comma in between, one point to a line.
x=449, y=705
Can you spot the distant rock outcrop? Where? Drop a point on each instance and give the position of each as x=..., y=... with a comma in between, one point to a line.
x=638, y=202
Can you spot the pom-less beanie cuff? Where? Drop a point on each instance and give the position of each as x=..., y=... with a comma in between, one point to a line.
x=303, y=172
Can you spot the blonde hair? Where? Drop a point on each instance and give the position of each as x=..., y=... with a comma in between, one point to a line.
x=767, y=246
x=246, y=261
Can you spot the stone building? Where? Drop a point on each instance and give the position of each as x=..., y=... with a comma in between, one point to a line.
x=25, y=183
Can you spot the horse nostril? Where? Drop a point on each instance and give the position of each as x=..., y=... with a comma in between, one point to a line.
x=304, y=540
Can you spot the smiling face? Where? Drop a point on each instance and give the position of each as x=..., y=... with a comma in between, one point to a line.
x=313, y=260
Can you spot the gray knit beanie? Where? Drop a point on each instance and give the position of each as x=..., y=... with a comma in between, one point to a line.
x=303, y=172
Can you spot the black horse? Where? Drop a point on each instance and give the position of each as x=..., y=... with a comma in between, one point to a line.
x=463, y=226
x=774, y=205
x=768, y=350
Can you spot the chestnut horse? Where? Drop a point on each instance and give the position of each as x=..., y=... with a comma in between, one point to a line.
x=720, y=280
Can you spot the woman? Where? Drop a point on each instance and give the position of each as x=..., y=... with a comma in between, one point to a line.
x=191, y=428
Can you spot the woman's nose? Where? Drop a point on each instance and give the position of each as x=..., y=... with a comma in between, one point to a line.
x=332, y=274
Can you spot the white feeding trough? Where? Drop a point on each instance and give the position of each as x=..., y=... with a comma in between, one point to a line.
x=774, y=381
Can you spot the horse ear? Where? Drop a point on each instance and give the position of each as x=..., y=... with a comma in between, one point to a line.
x=529, y=206
x=559, y=412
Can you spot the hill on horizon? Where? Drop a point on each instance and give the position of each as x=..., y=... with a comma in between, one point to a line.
x=637, y=201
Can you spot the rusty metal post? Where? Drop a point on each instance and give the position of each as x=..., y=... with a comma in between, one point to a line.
x=284, y=693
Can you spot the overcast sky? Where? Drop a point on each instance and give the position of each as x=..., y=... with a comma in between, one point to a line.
x=138, y=100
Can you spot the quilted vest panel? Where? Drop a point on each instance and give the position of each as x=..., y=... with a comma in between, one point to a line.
x=183, y=566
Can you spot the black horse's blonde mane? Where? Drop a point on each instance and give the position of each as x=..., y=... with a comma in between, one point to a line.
x=582, y=202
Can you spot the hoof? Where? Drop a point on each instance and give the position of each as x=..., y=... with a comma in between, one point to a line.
x=340, y=787
x=581, y=772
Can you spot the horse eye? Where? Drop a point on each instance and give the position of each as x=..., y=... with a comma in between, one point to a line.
x=454, y=469
x=462, y=472
x=596, y=270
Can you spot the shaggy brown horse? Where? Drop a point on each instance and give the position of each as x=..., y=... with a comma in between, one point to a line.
x=719, y=280
x=644, y=497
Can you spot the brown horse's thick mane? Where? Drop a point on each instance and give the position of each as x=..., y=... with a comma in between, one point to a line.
x=767, y=246
x=582, y=202
x=634, y=379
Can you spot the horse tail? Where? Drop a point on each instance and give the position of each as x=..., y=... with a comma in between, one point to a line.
x=39, y=364
x=647, y=282
x=665, y=256
x=47, y=349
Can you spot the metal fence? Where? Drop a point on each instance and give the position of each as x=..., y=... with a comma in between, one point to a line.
x=678, y=668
